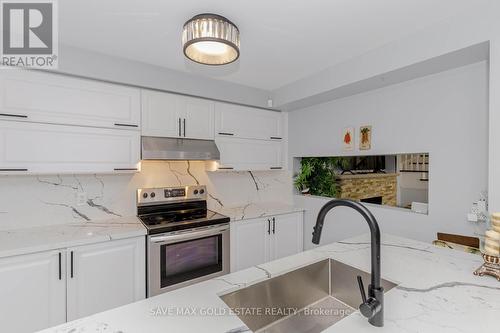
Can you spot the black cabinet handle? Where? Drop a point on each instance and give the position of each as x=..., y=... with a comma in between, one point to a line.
x=71, y=264
x=180, y=134
x=60, y=264
x=276, y=138
x=126, y=169
x=126, y=125
x=226, y=168
x=276, y=168
x=13, y=115
x=274, y=225
x=14, y=170
x=268, y=226
x=184, y=125
x=224, y=133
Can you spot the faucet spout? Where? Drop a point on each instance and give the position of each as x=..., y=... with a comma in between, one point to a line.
x=373, y=306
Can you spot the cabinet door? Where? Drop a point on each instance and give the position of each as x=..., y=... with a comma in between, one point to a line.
x=105, y=275
x=249, y=243
x=287, y=235
x=246, y=122
x=44, y=148
x=243, y=154
x=162, y=114
x=52, y=98
x=33, y=295
x=199, y=118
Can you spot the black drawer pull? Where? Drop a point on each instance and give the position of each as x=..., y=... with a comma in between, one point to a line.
x=60, y=269
x=226, y=168
x=276, y=168
x=13, y=115
x=223, y=133
x=126, y=125
x=71, y=264
x=126, y=169
x=276, y=138
x=15, y=170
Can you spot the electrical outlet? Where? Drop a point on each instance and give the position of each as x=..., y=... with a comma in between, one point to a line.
x=81, y=198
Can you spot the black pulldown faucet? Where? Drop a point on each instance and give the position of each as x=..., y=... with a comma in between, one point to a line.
x=373, y=306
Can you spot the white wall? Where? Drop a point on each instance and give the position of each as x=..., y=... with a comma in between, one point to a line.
x=90, y=64
x=454, y=34
x=444, y=114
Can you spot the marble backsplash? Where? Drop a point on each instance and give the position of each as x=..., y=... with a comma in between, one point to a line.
x=27, y=201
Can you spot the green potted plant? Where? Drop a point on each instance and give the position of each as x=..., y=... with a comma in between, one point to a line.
x=317, y=175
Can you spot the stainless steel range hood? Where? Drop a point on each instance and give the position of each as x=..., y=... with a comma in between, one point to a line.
x=156, y=148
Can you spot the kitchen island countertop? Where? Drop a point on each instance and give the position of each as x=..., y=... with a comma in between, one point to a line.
x=436, y=292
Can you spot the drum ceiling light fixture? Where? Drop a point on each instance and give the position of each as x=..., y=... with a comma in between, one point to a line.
x=211, y=39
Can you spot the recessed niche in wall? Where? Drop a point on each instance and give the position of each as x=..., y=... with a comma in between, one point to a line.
x=398, y=180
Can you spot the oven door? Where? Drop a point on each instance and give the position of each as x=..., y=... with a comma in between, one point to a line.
x=179, y=259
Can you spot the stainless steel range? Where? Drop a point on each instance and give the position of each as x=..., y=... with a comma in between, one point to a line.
x=187, y=243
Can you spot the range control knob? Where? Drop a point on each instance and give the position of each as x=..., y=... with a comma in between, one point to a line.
x=152, y=195
x=144, y=195
x=202, y=191
x=196, y=192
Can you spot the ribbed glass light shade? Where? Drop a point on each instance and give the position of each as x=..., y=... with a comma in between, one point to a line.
x=211, y=40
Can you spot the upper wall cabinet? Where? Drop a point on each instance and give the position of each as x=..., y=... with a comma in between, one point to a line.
x=247, y=123
x=177, y=116
x=48, y=98
x=47, y=148
x=246, y=154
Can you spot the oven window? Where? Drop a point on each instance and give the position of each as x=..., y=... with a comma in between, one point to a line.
x=190, y=259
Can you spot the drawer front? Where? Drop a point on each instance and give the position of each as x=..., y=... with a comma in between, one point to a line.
x=243, y=154
x=43, y=148
x=246, y=122
x=52, y=98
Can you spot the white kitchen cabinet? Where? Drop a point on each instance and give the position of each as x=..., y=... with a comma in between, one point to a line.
x=198, y=122
x=49, y=288
x=105, y=275
x=245, y=154
x=256, y=241
x=287, y=235
x=246, y=122
x=32, y=292
x=177, y=116
x=41, y=97
x=161, y=114
x=249, y=243
x=45, y=148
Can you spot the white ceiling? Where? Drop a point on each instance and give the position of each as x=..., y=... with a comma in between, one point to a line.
x=281, y=40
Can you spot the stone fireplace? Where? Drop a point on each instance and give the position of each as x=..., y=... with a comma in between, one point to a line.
x=370, y=187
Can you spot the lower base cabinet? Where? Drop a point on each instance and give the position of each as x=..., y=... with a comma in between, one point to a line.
x=256, y=241
x=32, y=293
x=49, y=288
x=104, y=276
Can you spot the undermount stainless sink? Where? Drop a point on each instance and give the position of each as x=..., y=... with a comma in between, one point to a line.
x=307, y=300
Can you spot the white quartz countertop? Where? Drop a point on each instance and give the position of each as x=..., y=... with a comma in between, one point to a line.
x=437, y=292
x=44, y=238
x=255, y=210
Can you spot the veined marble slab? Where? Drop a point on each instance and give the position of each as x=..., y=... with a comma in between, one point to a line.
x=258, y=209
x=37, y=239
x=437, y=292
